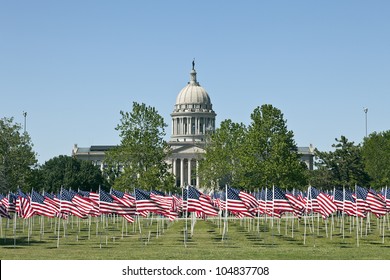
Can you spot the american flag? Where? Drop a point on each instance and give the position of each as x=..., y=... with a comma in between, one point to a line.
x=338, y=199
x=144, y=203
x=376, y=204
x=386, y=195
x=91, y=195
x=85, y=205
x=50, y=198
x=177, y=203
x=3, y=209
x=165, y=203
x=208, y=206
x=297, y=204
x=350, y=206
x=266, y=203
x=23, y=205
x=325, y=204
x=200, y=203
x=250, y=201
x=124, y=198
x=216, y=198
x=281, y=203
x=261, y=201
x=109, y=206
x=270, y=206
x=312, y=202
x=10, y=203
x=360, y=198
x=42, y=207
x=191, y=201
x=234, y=203
x=67, y=206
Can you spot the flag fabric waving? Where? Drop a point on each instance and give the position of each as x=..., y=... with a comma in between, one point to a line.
x=144, y=204
x=234, y=203
x=41, y=206
x=376, y=203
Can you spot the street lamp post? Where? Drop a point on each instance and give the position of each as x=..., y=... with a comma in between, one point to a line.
x=365, y=112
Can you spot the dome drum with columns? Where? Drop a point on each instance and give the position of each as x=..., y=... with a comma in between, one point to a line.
x=192, y=118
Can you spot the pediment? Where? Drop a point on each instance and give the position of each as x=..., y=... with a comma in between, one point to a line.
x=178, y=150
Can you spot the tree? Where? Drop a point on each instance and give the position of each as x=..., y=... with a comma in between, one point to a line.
x=321, y=177
x=17, y=157
x=261, y=155
x=271, y=152
x=344, y=166
x=376, y=157
x=68, y=172
x=222, y=162
x=142, y=152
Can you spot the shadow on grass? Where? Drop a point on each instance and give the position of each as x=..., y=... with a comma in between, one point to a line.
x=20, y=242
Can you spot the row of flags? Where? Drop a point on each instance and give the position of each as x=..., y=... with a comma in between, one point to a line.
x=269, y=202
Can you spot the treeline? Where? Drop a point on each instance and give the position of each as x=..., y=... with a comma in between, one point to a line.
x=249, y=157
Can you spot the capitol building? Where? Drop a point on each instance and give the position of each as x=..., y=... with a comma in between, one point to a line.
x=193, y=118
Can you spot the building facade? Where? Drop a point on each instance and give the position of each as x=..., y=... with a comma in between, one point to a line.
x=193, y=118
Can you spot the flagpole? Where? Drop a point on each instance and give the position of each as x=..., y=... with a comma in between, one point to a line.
x=258, y=216
x=306, y=210
x=357, y=220
x=226, y=214
x=384, y=218
x=273, y=207
x=59, y=222
x=186, y=220
x=265, y=208
x=292, y=219
x=342, y=214
x=15, y=225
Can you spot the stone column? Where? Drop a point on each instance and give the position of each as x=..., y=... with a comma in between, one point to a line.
x=189, y=125
x=174, y=168
x=189, y=171
x=181, y=172
x=197, y=173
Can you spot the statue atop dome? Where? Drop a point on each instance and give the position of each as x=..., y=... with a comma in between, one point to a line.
x=193, y=64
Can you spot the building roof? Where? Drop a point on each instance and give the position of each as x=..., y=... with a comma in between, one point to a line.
x=100, y=148
x=97, y=149
x=306, y=150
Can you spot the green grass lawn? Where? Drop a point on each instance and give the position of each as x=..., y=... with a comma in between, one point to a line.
x=111, y=239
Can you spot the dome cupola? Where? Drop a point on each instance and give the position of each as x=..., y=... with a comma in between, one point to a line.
x=193, y=113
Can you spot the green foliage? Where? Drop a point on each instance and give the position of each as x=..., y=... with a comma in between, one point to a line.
x=68, y=172
x=265, y=154
x=141, y=155
x=17, y=157
x=222, y=164
x=376, y=157
x=271, y=152
x=321, y=178
x=342, y=167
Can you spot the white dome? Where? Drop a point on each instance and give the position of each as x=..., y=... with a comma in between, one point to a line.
x=193, y=114
x=193, y=94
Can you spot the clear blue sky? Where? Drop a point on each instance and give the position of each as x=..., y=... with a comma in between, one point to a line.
x=73, y=65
